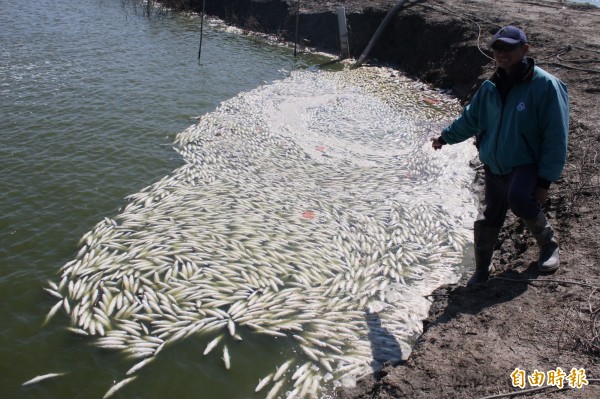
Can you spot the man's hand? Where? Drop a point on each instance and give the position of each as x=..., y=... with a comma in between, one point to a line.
x=435, y=143
x=541, y=195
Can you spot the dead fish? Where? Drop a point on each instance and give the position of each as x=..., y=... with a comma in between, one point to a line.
x=275, y=390
x=282, y=369
x=226, y=358
x=43, y=377
x=263, y=382
x=118, y=386
x=212, y=344
x=139, y=365
x=53, y=311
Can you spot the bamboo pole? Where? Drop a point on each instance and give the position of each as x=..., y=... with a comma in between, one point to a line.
x=380, y=29
x=201, y=29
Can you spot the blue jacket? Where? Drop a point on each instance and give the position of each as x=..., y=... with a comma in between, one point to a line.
x=530, y=127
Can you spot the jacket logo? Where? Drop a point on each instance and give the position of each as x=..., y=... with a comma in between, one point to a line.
x=521, y=106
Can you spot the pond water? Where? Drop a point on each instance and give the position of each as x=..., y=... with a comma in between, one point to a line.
x=293, y=213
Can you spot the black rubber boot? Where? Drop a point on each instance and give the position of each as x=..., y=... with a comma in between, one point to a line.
x=543, y=233
x=485, y=239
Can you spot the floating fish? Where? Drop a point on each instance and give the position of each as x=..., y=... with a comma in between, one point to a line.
x=226, y=358
x=259, y=233
x=212, y=344
x=118, y=386
x=40, y=378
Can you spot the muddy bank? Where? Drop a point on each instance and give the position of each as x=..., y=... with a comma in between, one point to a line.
x=475, y=338
x=424, y=43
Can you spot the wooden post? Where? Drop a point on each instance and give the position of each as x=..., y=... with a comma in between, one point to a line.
x=345, y=47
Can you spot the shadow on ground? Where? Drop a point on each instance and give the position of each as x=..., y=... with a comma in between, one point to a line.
x=460, y=299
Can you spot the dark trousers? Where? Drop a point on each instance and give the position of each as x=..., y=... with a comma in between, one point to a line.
x=514, y=191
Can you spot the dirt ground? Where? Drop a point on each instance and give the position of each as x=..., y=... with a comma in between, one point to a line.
x=476, y=337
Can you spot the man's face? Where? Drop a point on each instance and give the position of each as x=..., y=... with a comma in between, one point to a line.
x=508, y=55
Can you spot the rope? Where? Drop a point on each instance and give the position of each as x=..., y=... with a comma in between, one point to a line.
x=586, y=49
x=570, y=67
x=533, y=390
x=478, y=37
x=523, y=392
x=449, y=11
x=533, y=280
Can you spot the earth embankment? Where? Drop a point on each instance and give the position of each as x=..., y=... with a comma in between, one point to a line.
x=476, y=337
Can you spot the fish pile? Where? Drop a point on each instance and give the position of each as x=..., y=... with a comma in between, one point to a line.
x=311, y=209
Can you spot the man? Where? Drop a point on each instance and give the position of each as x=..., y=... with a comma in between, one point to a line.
x=520, y=120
